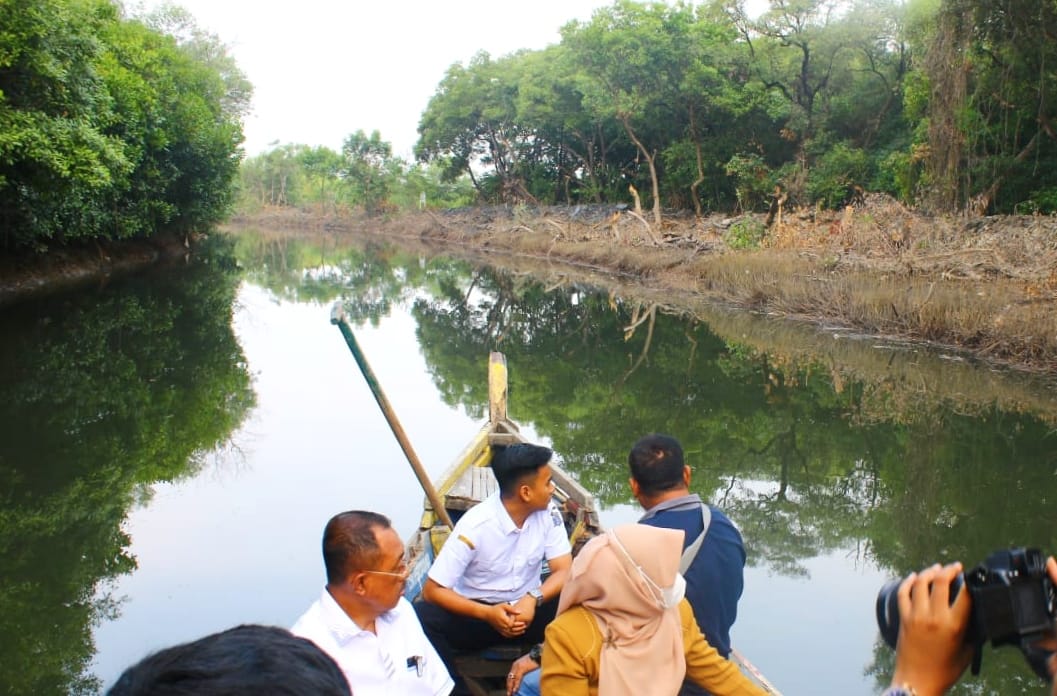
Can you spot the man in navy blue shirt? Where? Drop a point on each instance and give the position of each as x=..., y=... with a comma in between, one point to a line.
x=660, y=481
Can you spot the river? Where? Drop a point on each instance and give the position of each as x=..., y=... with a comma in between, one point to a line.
x=173, y=444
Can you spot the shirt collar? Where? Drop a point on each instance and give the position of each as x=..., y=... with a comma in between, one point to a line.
x=506, y=522
x=341, y=625
x=683, y=502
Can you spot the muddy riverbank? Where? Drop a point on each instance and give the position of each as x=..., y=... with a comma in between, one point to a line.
x=984, y=287
x=33, y=274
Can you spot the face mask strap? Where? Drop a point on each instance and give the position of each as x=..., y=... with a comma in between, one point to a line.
x=655, y=589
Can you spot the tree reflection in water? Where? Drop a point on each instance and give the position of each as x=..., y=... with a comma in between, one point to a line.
x=105, y=392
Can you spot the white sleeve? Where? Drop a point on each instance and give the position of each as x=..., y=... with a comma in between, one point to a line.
x=557, y=543
x=453, y=559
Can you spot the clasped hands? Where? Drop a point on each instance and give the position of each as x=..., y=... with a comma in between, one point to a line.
x=512, y=620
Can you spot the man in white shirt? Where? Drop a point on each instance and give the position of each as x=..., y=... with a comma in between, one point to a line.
x=362, y=620
x=484, y=587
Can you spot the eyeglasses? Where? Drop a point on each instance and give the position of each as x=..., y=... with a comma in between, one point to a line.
x=403, y=573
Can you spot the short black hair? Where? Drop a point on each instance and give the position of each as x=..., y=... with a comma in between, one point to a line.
x=656, y=463
x=245, y=660
x=514, y=463
x=350, y=543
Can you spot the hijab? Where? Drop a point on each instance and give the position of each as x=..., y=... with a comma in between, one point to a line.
x=625, y=579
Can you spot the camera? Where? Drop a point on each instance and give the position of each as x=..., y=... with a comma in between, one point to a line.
x=1012, y=604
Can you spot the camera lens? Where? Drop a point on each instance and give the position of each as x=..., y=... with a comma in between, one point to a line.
x=888, y=612
x=888, y=607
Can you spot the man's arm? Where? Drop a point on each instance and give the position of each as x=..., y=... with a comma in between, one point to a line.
x=560, y=568
x=559, y=555
x=550, y=589
x=502, y=617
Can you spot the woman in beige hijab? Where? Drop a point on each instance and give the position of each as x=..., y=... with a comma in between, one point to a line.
x=623, y=627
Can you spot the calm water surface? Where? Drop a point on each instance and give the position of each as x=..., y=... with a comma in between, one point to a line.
x=173, y=446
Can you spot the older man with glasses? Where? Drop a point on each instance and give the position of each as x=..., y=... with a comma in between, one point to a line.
x=362, y=620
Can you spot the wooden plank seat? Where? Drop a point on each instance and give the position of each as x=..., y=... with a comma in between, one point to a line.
x=491, y=664
x=473, y=486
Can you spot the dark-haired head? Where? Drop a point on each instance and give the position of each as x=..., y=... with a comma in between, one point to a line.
x=246, y=660
x=350, y=542
x=517, y=464
x=656, y=463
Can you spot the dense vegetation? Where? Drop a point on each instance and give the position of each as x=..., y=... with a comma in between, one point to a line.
x=112, y=127
x=948, y=104
x=364, y=175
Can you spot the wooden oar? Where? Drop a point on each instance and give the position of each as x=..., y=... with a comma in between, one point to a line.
x=337, y=317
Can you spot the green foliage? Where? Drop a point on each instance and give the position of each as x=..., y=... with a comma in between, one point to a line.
x=109, y=128
x=671, y=95
x=897, y=174
x=52, y=108
x=119, y=127
x=1042, y=201
x=321, y=169
x=277, y=177
x=467, y=121
x=637, y=59
x=746, y=233
x=916, y=89
x=835, y=172
x=753, y=180
x=428, y=179
x=320, y=179
x=368, y=170
x=991, y=137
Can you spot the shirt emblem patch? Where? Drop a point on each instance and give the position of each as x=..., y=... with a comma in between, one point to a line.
x=556, y=517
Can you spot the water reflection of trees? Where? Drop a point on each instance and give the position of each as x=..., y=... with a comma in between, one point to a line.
x=796, y=444
x=104, y=394
x=805, y=465
x=369, y=278
x=902, y=459
x=593, y=373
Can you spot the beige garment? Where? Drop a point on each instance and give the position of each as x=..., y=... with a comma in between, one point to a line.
x=620, y=580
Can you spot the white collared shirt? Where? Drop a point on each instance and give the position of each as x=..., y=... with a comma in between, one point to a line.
x=398, y=660
x=489, y=559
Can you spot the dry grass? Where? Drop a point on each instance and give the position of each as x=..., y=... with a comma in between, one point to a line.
x=991, y=318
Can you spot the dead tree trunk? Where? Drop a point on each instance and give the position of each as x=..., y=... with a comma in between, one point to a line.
x=650, y=160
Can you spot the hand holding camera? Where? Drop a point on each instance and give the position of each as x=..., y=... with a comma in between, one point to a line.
x=939, y=619
x=933, y=616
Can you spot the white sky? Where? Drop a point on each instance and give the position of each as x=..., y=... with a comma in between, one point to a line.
x=323, y=69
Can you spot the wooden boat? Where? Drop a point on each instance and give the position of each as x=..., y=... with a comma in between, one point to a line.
x=468, y=481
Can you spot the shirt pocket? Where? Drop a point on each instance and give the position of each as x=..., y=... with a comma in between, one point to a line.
x=495, y=571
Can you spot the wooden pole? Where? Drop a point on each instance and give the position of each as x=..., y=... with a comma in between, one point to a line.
x=337, y=317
